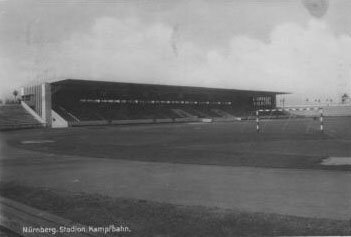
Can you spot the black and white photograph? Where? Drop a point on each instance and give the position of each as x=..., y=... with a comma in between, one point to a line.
x=175, y=118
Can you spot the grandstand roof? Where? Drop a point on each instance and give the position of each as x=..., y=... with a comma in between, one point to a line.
x=155, y=90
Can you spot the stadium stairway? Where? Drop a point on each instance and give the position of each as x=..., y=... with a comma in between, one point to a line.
x=65, y=114
x=223, y=113
x=15, y=117
x=182, y=113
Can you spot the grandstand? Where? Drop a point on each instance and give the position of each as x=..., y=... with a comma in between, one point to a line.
x=82, y=102
x=74, y=102
x=15, y=116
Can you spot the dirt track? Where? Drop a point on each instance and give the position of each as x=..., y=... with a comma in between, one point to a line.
x=309, y=193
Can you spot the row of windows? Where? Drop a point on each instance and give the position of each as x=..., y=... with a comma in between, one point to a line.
x=155, y=102
x=262, y=101
x=262, y=98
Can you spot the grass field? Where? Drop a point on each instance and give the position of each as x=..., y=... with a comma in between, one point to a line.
x=293, y=143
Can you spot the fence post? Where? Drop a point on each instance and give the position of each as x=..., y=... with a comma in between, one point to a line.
x=321, y=120
x=257, y=121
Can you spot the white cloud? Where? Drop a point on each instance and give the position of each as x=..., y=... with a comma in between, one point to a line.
x=310, y=61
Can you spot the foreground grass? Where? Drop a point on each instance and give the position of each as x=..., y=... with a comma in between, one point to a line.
x=147, y=218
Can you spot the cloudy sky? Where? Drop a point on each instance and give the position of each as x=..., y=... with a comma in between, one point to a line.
x=276, y=45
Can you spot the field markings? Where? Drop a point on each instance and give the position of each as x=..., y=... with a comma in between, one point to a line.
x=37, y=141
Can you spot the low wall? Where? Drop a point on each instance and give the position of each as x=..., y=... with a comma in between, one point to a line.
x=184, y=120
x=163, y=120
x=226, y=119
x=113, y=122
x=132, y=121
x=166, y=120
x=88, y=123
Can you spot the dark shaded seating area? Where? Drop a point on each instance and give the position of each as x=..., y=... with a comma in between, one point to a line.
x=82, y=100
x=111, y=111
